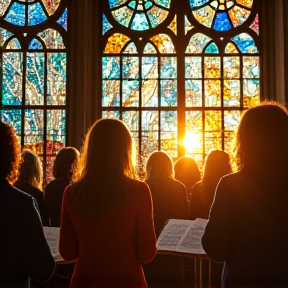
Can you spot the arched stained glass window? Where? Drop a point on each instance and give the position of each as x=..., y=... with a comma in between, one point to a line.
x=182, y=84
x=33, y=74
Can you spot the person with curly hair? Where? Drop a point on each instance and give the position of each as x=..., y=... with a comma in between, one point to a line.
x=24, y=251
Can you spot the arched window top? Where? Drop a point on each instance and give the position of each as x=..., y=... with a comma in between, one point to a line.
x=212, y=48
x=35, y=44
x=139, y=15
x=231, y=49
x=52, y=39
x=245, y=43
x=149, y=49
x=4, y=35
x=221, y=15
x=13, y=44
x=163, y=43
x=130, y=48
x=28, y=13
x=197, y=43
x=115, y=43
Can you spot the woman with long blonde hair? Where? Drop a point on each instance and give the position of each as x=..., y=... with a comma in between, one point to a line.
x=107, y=219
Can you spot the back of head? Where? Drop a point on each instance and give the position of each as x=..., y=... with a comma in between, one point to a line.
x=9, y=153
x=159, y=165
x=30, y=171
x=64, y=161
x=187, y=171
x=262, y=139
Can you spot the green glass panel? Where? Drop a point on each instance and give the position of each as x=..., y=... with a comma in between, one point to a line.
x=193, y=67
x=12, y=78
x=115, y=3
x=111, y=67
x=149, y=90
x=168, y=92
x=212, y=93
x=13, y=118
x=193, y=93
x=251, y=67
x=140, y=22
x=231, y=67
x=110, y=93
x=168, y=67
x=130, y=93
x=150, y=68
x=33, y=125
x=164, y=3
x=231, y=91
x=34, y=84
x=130, y=67
x=56, y=79
x=56, y=125
x=212, y=67
x=212, y=48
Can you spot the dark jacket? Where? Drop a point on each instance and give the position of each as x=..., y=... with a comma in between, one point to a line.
x=248, y=230
x=24, y=252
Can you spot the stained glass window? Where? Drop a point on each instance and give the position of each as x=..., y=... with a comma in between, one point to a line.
x=33, y=74
x=180, y=75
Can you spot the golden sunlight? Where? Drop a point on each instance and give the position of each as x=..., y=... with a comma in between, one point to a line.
x=191, y=141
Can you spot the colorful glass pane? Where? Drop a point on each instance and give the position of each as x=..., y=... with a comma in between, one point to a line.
x=12, y=78
x=245, y=43
x=56, y=123
x=246, y=3
x=123, y=15
x=140, y=22
x=231, y=67
x=255, y=25
x=35, y=44
x=33, y=125
x=193, y=93
x=56, y=78
x=13, y=118
x=111, y=114
x=13, y=44
x=110, y=93
x=3, y=6
x=231, y=120
x=231, y=49
x=130, y=48
x=213, y=128
x=188, y=25
x=204, y=16
x=63, y=19
x=251, y=92
x=115, y=3
x=36, y=14
x=16, y=14
x=164, y=43
x=168, y=67
x=150, y=67
x=116, y=43
x=4, y=35
x=34, y=84
x=164, y=3
x=212, y=67
x=130, y=67
x=251, y=68
x=193, y=67
x=212, y=48
x=168, y=91
x=149, y=92
x=130, y=93
x=197, y=3
x=238, y=15
x=105, y=25
x=231, y=92
x=212, y=93
x=52, y=39
x=131, y=119
x=194, y=128
x=149, y=49
x=168, y=132
x=222, y=22
x=156, y=16
x=51, y=5
x=173, y=25
x=111, y=67
x=197, y=43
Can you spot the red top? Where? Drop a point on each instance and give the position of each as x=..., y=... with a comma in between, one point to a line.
x=108, y=252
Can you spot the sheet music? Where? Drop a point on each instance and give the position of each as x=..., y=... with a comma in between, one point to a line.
x=52, y=237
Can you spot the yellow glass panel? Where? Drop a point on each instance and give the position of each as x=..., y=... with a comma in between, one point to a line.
x=173, y=25
x=231, y=67
x=164, y=43
x=212, y=67
x=212, y=93
x=231, y=89
x=3, y=6
x=246, y=3
x=205, y=16
x=238, y=15
x=115, y=43
x=230, y=48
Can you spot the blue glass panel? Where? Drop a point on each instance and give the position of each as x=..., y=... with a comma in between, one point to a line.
x=114, y=3
x=130, y=93
x=36, y=14
x=164, y=3
x=110, y=93
x=168, y=67
x=110, y=67
x=168, y=90
x=16, y=14
x=12, y=78
x=13, y=118
x=4, y=35
x=106, y=25
x=212, y=48
x=56, y=125
x=197, y=3
x=140, y=22
x=35, y=44
x=222, y=22
x=245, y=43
x=63, y=19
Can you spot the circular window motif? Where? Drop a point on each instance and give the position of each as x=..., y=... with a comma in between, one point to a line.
x=221, y=15
x=139, y=15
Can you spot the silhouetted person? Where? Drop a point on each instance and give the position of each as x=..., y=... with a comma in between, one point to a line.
x=248, y=227
x=30, y=179
x=65, y=159
x=107, y=217
x=24, y=252
x=217, y=164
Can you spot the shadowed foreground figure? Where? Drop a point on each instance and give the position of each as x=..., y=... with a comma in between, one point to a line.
x=248, y=227
x=107, y=217
x=24, y=252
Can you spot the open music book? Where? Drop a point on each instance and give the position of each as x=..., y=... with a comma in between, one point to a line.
x=52, y=237
x=182, y=236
